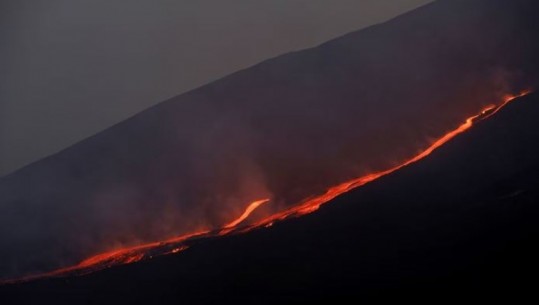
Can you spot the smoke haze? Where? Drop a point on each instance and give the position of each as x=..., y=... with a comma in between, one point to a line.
x=284, y=129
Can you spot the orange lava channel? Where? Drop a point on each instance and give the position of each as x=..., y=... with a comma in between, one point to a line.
x=312, y=204
x=253, y=206
x=177, y=244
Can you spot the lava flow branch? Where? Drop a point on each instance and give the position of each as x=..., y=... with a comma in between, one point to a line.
x=250, y=209
x=181, y=243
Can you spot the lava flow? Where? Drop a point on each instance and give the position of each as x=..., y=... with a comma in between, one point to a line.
x=253, y=206
x=309, y=205
x=312, y=204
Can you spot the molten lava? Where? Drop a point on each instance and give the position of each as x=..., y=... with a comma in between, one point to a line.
x=178, y=244
x=253, y=206
x=312, y=204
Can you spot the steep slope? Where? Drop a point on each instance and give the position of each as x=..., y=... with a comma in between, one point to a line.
x=285, y=129
x=125, y=55
x=459, y=224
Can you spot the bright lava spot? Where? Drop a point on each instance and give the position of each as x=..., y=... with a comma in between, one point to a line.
x=253, y=206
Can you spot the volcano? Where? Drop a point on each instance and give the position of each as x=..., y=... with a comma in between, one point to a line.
x=461, y=223
x=262, y=141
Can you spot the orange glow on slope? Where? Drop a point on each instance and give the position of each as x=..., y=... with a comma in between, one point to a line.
x=312, y=204
x=178, y=244
x=253, y=206
x=117, y=257
x=137, y=253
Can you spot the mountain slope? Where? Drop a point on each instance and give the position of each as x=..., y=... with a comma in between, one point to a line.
x=285, y=129
x=459, y=224
x=124, y=56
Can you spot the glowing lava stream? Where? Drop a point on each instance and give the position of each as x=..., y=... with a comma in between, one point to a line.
x=253, y=206
x=177, y=244
x=312, y=204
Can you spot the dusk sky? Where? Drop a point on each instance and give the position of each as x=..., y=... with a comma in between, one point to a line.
x=73, y=68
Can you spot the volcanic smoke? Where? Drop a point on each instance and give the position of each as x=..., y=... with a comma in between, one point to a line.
x=241, y=224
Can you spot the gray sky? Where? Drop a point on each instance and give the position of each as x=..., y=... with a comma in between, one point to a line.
x=71, y=68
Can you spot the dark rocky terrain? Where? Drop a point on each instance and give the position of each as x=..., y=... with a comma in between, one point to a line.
x=459, y=225
x=461, y=221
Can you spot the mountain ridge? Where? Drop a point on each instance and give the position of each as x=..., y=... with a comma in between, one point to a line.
x=286, y=128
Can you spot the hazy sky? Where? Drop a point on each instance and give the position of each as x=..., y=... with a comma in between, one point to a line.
x=71, y=68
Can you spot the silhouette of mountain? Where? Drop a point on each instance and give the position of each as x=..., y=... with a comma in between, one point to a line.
x=286, y=129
